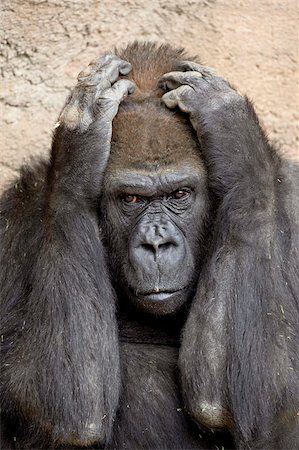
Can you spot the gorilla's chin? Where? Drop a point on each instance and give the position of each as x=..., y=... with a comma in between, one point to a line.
x=159, y=303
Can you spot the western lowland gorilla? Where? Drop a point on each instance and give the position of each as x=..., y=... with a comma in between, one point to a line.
x=148, y=269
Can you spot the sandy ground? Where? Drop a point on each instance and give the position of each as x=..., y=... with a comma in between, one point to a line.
x=44, y=44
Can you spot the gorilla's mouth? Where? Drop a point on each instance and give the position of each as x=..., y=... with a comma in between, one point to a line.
x=155, y=296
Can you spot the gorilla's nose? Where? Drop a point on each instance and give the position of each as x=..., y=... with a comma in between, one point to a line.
x=157, y=243
x=157, y=239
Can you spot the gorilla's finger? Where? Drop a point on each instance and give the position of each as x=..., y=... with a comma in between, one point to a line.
x=208, y=74
x=104, y=72
x=173, y=98
x=111, y=71
x=119, y=91
x=94, y=67
x=170, y=99
x=173, y=80
x=125, y=68
x=109, y=62
x=186, y=66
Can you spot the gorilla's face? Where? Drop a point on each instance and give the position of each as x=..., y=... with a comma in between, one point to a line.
x=155, y=213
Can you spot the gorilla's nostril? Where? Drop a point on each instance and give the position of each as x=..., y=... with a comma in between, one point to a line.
x=155, y=247
x=149, y=248
x=165, y=246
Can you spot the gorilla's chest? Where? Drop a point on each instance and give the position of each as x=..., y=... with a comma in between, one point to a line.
x=151, y=414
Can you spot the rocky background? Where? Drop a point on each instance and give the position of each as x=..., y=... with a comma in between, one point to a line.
x=44, y=44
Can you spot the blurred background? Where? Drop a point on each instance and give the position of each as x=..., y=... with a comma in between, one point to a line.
x=44, y=44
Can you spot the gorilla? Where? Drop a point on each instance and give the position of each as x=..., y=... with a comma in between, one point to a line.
x=148, y=269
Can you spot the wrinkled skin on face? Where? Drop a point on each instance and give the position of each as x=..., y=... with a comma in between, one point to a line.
x=156, y=209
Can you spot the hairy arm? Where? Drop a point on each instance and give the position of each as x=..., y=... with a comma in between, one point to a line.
x=60, y=358
x=238, y=359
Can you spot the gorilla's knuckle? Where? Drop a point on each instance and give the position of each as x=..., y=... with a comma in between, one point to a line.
x=193, y=77
x=105, y=59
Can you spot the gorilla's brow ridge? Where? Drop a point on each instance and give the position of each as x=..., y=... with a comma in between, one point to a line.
x=150, y=183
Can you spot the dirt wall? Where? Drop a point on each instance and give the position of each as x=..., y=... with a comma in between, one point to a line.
x=44, y=44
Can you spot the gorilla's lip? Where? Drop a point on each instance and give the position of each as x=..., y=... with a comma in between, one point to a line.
x=158, y=296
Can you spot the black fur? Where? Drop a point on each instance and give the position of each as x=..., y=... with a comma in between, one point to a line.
x=64, y=365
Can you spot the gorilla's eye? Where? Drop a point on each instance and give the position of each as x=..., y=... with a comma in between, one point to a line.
x=132, y=199
x=180, y=194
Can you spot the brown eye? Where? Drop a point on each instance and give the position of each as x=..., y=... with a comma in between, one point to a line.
x=131, y=199
x=180, y=194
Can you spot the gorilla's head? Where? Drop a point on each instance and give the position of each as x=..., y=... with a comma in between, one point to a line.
x=155, y=194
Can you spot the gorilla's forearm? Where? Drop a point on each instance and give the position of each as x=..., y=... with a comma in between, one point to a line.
x=260, y=368
x=246, y=174
x=240, y=159
x=57, y=301
x=55, y=286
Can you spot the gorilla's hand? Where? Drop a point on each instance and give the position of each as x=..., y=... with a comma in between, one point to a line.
x=197, y=90
x=97, y=94
x=233, y=143
x=81, y=144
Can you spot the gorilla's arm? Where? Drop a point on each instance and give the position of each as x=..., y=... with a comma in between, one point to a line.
x=60, y=358
x=239, y=357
